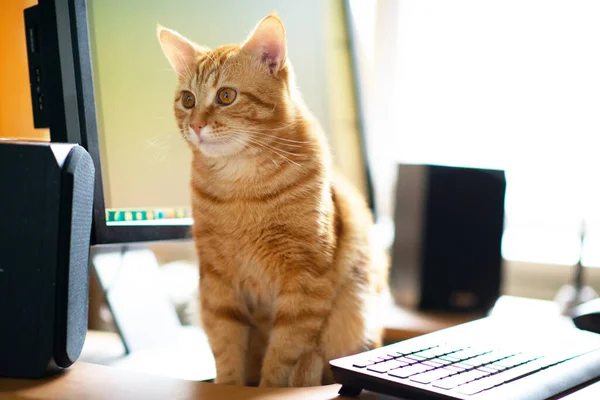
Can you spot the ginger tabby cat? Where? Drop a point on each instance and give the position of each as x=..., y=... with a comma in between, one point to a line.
x=288, y=276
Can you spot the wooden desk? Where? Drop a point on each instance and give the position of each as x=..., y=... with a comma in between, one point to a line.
x=402, y=324
x=93, y=382
x=90, y=382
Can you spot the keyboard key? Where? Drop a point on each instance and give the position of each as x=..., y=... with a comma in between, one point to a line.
x=408, y=361
x=455, y=368
x=466, y=354
x=431, y=376
x=504, y=353
x=520, y=371
x=447, y=349
x=491, y=357
x=551, y=360
x=449, y=358
x=459, y=355
x=497, y=366
x=516, y=360
x=440, y=361
x=557, y=357
x=462, y=365
x=476, y=374
x=409, y=371
x=416, y=357
x=450, y=382
x=403, y=348
x=363, y=363
x=474, y=362
x=488, y=370
x=426, y=354
x=485, y=383
x=498, y=379
x=433, y=364
x=384, y=357
x=438, y=351
x=508, y=361
x=386, y=366
x=459, y=379
x=484, y=374
x=475, y=387
x=453, y=349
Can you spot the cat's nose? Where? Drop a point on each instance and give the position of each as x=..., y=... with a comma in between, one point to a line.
x=197, y=126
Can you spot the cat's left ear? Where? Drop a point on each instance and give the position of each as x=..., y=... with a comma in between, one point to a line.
x=267, y=43
x=181, y=52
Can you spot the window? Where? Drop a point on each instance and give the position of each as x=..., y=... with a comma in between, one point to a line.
x=511, y=85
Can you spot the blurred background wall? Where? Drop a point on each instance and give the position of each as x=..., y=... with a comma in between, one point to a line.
x=16, y=119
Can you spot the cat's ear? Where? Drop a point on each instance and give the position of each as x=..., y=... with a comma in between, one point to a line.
x=267, y=43
x=181, y=52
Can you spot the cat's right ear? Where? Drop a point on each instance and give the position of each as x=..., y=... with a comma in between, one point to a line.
x=181, y=52
x=267, y=43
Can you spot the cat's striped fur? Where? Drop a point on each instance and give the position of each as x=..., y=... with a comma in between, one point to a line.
x=289, y=279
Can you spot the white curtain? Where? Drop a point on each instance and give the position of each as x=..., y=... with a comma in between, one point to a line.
x=511, y=84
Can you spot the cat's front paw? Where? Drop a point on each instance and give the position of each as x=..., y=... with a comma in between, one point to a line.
x=272, y=383
x=274, y=380
x=230, y=380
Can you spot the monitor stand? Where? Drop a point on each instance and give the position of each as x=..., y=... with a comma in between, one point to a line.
x=152, y=334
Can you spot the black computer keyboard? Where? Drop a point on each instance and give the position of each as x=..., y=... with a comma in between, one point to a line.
x=431, y=367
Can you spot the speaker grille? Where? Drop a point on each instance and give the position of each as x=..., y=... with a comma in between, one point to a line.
x=73, y=269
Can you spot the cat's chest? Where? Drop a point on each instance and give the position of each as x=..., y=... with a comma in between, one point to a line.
x=231, y=228
x=232, y=241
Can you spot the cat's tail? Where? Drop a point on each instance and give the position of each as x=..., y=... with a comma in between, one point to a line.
x=308, y=370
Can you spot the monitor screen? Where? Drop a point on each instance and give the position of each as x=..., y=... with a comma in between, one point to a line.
x=145, y=162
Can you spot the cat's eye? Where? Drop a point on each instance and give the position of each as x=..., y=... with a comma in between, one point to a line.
x=226, y=96
x=187, y=99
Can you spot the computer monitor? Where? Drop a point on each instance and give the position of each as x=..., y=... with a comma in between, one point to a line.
x=63, y=61
x=112, y=92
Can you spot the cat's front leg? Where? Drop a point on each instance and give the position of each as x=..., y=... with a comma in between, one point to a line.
x=293, y=357
x=226, y=323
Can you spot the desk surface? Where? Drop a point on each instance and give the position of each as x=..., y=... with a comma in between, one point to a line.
x=91, y=382
x=94, y=382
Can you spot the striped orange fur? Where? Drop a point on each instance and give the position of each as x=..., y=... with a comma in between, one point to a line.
x=289, y=278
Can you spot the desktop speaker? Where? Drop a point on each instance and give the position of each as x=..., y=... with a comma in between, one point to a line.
x=448, y=231
x=46, y=196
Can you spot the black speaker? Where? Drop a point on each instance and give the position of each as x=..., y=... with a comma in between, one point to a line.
x=449, y=223
x=46, y=199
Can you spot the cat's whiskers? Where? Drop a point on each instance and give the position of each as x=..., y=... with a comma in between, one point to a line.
x=275, y=139
x=165, y=138
x=265, y=146
x=249, y=145
x=294, y=123
x=288, y=142
x=159, y=145
x=261, y=131
x=256, y=140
